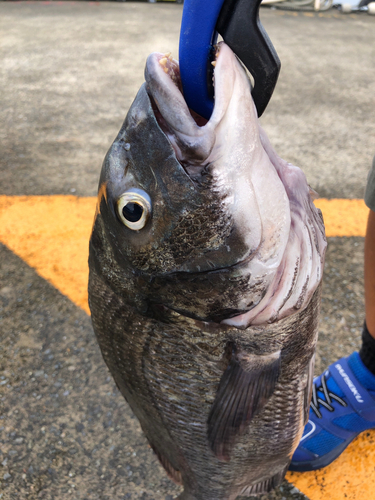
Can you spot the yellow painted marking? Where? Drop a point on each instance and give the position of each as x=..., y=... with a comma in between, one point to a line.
x=309, y=14
x=343, y=217
x=350, y=477
x=51, y=234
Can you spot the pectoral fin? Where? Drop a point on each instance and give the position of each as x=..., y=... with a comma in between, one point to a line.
x=244, y=389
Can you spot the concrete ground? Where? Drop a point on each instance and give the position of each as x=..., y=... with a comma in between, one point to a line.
x=69, y=72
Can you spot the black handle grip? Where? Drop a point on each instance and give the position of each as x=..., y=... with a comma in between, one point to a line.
x=242, y=31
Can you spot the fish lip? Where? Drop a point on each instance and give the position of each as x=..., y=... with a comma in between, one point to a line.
x=191, y=135
x=172, y=76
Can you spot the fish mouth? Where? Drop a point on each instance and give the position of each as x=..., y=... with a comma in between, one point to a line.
x=191, y=135
x=171, y=68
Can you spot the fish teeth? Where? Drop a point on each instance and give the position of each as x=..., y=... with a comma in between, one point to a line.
x=164, y=64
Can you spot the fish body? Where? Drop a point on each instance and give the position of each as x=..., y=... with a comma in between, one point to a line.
x=206, y=260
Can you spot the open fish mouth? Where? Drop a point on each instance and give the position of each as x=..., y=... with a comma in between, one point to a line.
x=171, y=68
x=191, y=135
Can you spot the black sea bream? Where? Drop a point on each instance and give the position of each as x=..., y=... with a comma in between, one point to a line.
x=206, y=258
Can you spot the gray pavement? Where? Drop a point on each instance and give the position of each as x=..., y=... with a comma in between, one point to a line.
x=69, y=72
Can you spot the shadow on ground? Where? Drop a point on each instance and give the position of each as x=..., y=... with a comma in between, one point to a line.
x=66, y=432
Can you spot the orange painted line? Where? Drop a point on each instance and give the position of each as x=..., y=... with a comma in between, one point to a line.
x=350, y=477
x=51, y=234
x=343, y=217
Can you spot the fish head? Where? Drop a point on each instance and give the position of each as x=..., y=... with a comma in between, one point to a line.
x=194, y=206
x=145, y=195
x=189, y=179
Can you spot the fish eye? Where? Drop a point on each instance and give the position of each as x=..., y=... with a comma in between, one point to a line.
x=134, y=208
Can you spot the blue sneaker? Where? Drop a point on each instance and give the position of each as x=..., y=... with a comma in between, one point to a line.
x=342, y=406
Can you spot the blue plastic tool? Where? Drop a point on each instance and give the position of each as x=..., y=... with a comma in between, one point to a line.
x=238, y=23
x=197, y=37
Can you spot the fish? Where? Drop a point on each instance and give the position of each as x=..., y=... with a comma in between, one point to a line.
x=205, y=267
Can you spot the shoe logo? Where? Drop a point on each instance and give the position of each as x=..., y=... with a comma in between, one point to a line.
x=349, y=383
x=313, y=427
